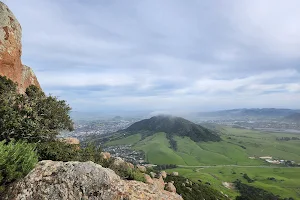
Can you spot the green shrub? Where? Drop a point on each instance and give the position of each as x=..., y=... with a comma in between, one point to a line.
x=31, y=116
x=125, y=172
x=193, y=190
x=248, y=178
x=91, y=153
x=61, y=151
x=134, y=174
x=248, y=192
x=17, y=159
x=58, y=151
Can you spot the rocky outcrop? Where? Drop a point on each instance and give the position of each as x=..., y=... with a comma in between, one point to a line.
x=175, y=174
x=11, y=51
x=163, y=174
x=76, y=180
x=159, y=183
x=106, y=155
x=170, y=187
x=152, y=174
x=141, y=168
x=70, y=140
x=148, y=179
x=118, y=161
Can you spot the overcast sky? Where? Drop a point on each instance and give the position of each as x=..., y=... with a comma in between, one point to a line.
x=168, y=55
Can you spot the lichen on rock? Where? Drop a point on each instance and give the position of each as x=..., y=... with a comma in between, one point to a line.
x=82, y=180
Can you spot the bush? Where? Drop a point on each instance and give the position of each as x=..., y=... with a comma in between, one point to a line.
x=125, y=172
x=164, y=167
x=57, y=151
x=248, y=192
x=32, y=116
x=134, y=174
x=91, y=153
x=193, y=190
x=248, y=178
x=17, y=159
x=61, y=151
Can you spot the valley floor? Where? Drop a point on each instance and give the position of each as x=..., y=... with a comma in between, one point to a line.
x=241, y=151
x=282, y=181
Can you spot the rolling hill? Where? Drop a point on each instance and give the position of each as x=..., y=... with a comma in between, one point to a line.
x=174, y=140
x=173, y=126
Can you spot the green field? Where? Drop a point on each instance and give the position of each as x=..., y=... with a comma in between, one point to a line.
x=286, y=183
x=228, y=160
x=132, y=139
x=236, y=147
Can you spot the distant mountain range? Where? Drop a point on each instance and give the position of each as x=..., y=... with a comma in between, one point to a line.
x=250, y=113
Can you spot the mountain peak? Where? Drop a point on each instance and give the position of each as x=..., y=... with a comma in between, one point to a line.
x=172, y=125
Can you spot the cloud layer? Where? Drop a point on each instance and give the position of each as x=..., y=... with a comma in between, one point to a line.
x=164, y=55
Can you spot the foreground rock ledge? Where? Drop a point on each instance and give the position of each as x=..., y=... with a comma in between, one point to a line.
x=81, y=180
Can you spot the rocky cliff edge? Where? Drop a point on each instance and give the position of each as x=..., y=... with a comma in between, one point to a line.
x=11, y=51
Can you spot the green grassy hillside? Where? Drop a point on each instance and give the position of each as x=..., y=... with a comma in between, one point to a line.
x=227, y=160
x=157, y=150
x=285, y=184
x=236, y=147
x=173, y=126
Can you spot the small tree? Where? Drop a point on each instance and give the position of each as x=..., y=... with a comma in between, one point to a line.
x=16, y=160
x=32, y=116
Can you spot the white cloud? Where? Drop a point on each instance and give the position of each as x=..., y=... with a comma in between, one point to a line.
x=164, y=55
x=269, y=24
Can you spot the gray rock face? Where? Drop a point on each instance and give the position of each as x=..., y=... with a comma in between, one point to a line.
x=71, y=180
x=75, y=180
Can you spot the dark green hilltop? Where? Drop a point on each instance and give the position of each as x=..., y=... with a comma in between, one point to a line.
x=173, y=126
x=170, y=125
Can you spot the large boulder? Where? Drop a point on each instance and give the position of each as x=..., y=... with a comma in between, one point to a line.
x=141, y=168
x=11, y=51
x=81, y=180
x=130, y=165
x=163, y=174
x=105, y=155
x=152, y=174
x=159, y=183
x=175, y=174
x=148, y=179
x=170, y=187
x=70, y=140
x=118, y=161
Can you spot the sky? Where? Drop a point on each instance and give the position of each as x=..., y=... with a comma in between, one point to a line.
x=164, y=55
